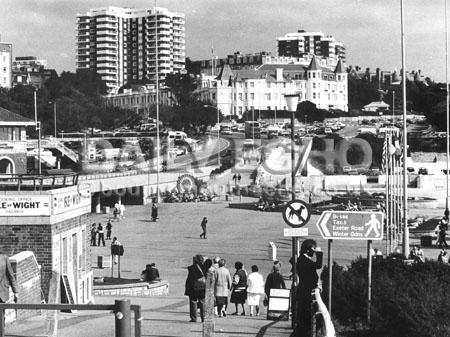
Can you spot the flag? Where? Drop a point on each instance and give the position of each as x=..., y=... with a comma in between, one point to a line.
x=391, y=146
x=384, y=155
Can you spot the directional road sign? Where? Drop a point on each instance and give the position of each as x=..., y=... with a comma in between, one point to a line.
x=343, y=225
x=296, y=213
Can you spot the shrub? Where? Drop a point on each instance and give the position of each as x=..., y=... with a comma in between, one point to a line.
x=407, y=301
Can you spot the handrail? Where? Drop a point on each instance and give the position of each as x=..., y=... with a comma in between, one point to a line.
x=106, y=307
x=329, y=330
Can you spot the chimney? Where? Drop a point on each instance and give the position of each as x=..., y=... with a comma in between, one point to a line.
x=279, y=74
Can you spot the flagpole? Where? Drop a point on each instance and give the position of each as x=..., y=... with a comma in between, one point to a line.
x=386, y=199
x=158, y=145
x=405, y=141
x=446, y=213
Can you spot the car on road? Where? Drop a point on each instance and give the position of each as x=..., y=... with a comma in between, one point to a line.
x=328, y=131
x=423, y=171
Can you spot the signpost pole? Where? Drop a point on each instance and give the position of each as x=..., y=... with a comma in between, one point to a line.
x=369, y=279
x=294, y=249
x=330, y=272
x=118, y=267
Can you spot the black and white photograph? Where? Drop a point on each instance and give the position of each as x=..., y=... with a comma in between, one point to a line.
x=224, y=168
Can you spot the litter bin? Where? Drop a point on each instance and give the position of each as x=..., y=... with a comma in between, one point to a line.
x=426, y=241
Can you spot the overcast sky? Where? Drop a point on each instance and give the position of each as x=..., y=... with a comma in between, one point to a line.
x=370, y=29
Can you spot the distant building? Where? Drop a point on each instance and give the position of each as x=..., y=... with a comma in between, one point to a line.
x=13, y=142
x=120, y=44
x=139, y=98
x=5, y=65
x=237, y=91
x=302, y=43
x=29, y=70
x=237, y=60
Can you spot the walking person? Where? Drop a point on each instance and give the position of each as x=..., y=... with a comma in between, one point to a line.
x=235, y=178
x=254, y=290
x=108, y=230
x=195, y=287
x=308, y=280
x=115, y=242
x=101, y=235
x=222, y=288
x=203, y=225
x=154, y=212
x=239, y=178
x=93, y=234
x=443, y=227
x=239, y=288
x=274, y=280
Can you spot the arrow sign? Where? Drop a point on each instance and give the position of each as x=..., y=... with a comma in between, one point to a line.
x=296, y=213
x=344, y=225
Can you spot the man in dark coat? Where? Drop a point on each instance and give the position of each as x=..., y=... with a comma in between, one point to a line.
x=203, y=225
x=93, y=234
x=7, y=279
x=194, y=288
x=308, y=280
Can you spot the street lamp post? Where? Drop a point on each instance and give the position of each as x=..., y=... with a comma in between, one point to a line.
x=292, y=102
x=218, y=130
x=38, y=129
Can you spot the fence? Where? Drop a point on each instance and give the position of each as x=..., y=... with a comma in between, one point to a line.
x=121, y=309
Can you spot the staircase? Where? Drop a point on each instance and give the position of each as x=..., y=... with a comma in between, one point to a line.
x=54, y=144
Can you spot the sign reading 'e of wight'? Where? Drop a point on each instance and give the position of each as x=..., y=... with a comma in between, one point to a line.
x=344, y=225
x=296, y=213
x=33, y=205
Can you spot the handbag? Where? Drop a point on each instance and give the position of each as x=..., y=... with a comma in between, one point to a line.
x=200, y=283
x=266, y=301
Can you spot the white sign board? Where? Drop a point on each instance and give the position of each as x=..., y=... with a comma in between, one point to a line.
x=296, y=232
x=31, y=205
x=70, y=201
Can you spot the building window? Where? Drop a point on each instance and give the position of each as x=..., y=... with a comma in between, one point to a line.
x=240, y=96
x=314, y=75
x=252, y=84
x=268, y=97
x=252, y=96
x=213, y=96
x=314, y=95
x=245, y=96
x=314, y=86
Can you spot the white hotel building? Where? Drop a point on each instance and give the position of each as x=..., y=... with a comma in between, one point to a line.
x=120, y=44
x=236, y=91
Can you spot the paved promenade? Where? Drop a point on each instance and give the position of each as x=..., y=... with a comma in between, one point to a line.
x=236, y=235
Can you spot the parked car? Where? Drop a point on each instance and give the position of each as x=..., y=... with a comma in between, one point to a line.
x=423, y=171
x=410, y=169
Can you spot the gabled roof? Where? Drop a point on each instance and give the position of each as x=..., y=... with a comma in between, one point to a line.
x=225, y=73
x=11, y=118
x=314, y=65
x=339, y=68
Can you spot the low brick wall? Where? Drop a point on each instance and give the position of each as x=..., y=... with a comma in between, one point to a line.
x=28, y=276
x=133, y=289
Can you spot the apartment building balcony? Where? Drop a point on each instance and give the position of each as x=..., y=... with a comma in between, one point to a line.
x=106, y=39
x=106, y=52
x=107, y=45
x=108, y=32
x=107, y=58
x=107, y=25
x=106, y=19
x=162, y=19
x=107, y=71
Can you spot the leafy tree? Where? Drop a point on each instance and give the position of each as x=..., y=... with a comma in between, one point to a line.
x=182, y=87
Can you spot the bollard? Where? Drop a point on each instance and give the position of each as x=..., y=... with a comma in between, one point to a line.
x=122, y=315
x=2, y=323
x=137, y=321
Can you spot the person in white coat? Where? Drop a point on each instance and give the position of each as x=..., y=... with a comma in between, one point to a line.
x=255, y=289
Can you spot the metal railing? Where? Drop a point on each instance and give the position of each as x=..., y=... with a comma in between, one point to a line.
x=319, y=308
x=28, y=182
x=121, y=309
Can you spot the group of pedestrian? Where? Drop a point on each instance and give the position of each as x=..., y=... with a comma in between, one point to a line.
x=417, y=254
x=237, y=178
x=119, y=211
x=98, y=233
x=237, y=289
x=150, y=273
